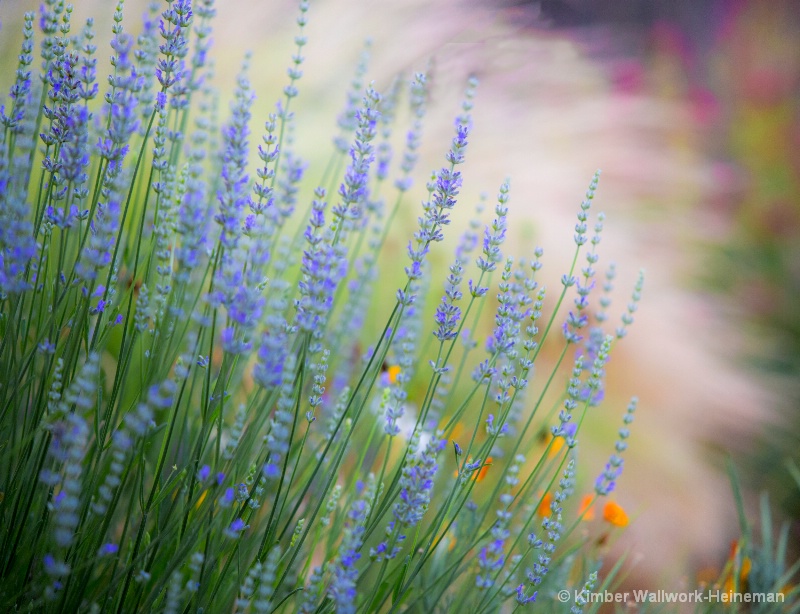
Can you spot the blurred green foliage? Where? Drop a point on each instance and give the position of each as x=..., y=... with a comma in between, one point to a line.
x=755, y=72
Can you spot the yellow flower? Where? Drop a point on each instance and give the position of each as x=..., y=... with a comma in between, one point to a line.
x=614, y=514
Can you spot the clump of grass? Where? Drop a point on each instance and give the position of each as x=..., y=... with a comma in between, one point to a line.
x=758, y=575
x=187, y=418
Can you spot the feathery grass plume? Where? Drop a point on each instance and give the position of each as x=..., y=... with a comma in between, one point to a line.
x=194, y=412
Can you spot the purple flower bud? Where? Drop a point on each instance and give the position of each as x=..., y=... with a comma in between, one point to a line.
x=108, y=549
x=203, y=473
x=228, y=498
x=236, y=528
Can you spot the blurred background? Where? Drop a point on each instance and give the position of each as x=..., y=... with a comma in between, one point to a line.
x=691, y=110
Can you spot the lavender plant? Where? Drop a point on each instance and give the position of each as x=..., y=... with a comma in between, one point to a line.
x=188, y=418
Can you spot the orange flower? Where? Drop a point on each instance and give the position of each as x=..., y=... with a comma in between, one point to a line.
x=451, y=546
x=614, y=514
x=555, y=447
x=481, y=473
x=744, y=570
x=457, y=432
x=586, y=510
x=787, y=589
x=544, y=507
x=393, y=372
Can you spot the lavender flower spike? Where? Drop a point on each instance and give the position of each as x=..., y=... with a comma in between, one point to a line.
x=416, y=485
x=354, y=189
x=448, y=313
x=607, y=480
x=345, y=574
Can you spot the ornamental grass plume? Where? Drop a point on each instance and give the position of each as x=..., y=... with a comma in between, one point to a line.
x=192, y=414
